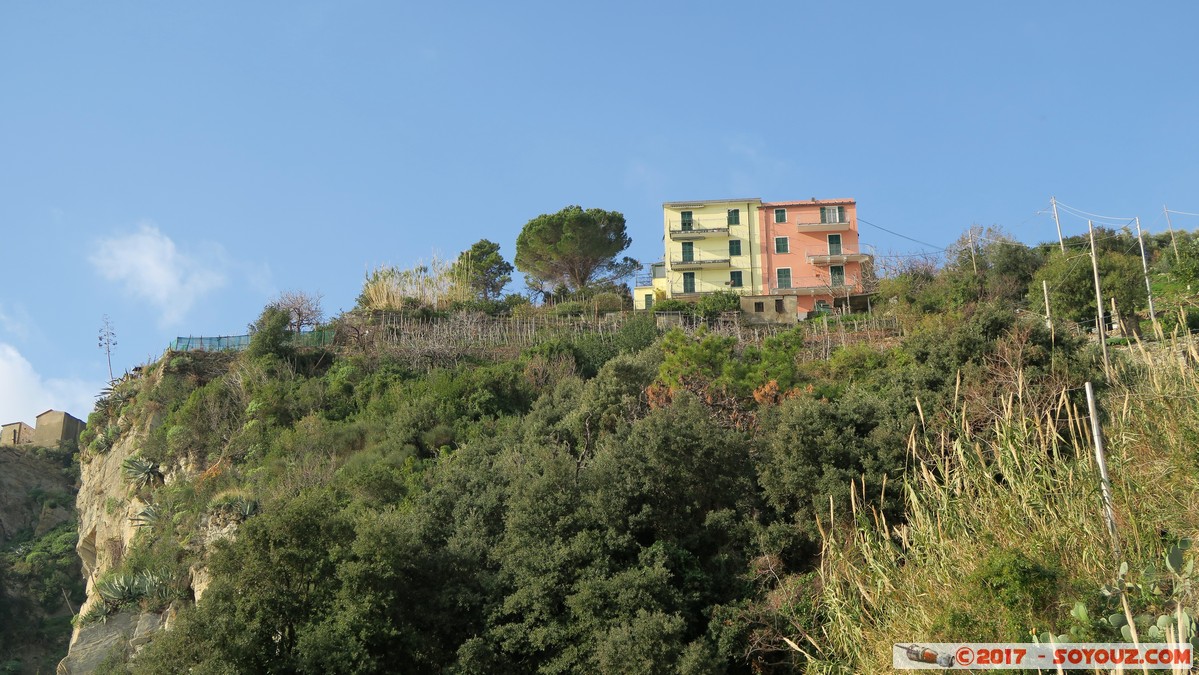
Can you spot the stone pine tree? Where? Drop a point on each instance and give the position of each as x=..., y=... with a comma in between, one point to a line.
x=108, y=342
x=483, y=269
x=575, y=248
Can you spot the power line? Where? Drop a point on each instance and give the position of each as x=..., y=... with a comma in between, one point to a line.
x=902, y=236
x=1085, y=214
x=1181, y=213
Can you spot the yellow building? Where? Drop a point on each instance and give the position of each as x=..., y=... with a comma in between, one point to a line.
x=711, y=245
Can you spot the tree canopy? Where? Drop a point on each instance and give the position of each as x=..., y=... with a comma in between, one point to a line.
x=574, y=248
x=484, y=269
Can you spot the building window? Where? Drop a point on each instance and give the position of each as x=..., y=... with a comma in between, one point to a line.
x=832, y=214
x=734, y=216
x=687, y=220
x=778, y=305
x=688, y=251
x=834, y=244
x=780, y=215
x=784, y=277
x=649, y=300
x=782, y=245
x=836, y=275
x=688, y=282
x=734, y=247
x=735, y=279
x=760, y=307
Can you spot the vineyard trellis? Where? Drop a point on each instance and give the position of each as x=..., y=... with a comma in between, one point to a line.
x=444, y=340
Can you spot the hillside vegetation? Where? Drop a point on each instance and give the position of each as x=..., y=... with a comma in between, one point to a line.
x=632, y=502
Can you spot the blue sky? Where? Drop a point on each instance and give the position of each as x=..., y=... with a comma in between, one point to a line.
x=175, y=165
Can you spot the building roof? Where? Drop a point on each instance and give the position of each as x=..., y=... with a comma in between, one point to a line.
x=700, y=202
x=809, y=202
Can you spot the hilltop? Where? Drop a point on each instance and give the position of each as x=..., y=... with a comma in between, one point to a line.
x=605, y=495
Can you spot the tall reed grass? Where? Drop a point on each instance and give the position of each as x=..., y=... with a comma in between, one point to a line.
x=436, y=285
x=1005, y=536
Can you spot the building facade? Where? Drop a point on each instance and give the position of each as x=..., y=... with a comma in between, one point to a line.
x=804, y=252
x=53, y=427
x=711, y=245
x=810, y=249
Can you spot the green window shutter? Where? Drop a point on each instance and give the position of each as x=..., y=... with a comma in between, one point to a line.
x=734, y=247
x=823, y=214
x=784, y=278
x=735, y=279
x=734, y=217
x=840, y=214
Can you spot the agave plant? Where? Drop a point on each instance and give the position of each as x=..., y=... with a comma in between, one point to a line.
x=148, y=516
x=141, y=472
x=119, y=589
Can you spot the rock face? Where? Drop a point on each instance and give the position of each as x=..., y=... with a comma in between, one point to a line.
x=21, y=475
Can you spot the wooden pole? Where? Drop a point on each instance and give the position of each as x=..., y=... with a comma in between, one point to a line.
x=1173, y=242
x=1107, y=366
x=1048, y=318
x=1148, y=286
x=1058, y=223
x=1101, y=460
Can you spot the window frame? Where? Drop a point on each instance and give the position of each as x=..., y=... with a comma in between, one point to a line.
x=739, y=281
x=837, y=212
x=778, y=278
x=737, y=243
x=832, y=278
x=783, y=213
x=759, y=307
x=840, y=243
x=786, y=245
x=734, y=217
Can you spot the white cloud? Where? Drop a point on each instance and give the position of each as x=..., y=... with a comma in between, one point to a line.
x=15, y=320
x=24, y=393
x=151, y=268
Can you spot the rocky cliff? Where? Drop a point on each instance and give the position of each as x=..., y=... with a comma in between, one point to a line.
x=142, y=553
x=39, y=586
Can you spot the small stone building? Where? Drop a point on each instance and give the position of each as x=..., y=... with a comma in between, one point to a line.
x=53, y=427
x=16, y=433
x=770, y=309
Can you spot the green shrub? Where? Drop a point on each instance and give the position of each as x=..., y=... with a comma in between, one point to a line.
x=714, y=304
x=673, y=305
x=569, y=308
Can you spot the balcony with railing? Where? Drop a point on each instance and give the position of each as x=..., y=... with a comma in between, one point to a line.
x=842, y=226
x=698, y=228
x=834, y=255
x=826, y=285
x=698, y=262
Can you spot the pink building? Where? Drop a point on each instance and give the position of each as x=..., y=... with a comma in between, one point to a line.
x=810, y=250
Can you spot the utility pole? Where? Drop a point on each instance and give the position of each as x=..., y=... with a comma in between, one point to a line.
x=1060, y=242
x=973, y=263
x=1148, y=286
x=1173, y=243
x=1107, y=366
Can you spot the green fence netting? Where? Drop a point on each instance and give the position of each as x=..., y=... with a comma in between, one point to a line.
x=316, y=338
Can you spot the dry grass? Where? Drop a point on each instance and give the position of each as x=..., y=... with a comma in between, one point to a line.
x=435, y=285
x=1029, y=484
